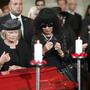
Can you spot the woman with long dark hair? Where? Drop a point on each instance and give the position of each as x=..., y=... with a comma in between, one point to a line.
x=47, y=31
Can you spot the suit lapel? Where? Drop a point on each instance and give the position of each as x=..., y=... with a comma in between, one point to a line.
x=24, y=25
x=23, y=22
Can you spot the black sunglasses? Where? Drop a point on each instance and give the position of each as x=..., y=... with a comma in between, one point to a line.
x=44, y=25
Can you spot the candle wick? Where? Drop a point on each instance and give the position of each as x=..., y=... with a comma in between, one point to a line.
x=79, y=37
x=38, y=41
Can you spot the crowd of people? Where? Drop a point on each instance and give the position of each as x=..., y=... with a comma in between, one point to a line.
x=57, y=28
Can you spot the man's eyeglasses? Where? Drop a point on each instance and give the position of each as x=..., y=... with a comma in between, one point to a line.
x=44, y=25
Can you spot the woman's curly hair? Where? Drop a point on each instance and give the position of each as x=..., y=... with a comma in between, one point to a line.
x=47, y=16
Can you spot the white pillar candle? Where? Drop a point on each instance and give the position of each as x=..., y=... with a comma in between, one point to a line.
x=38, y=52
x=78, y=46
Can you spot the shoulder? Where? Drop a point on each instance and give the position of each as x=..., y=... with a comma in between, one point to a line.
x=86, y=21
x=32, y=9
x=26, y=18
x=22, y=43
x=78, y=15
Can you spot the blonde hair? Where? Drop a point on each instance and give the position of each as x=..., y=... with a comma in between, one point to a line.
x=3, y=34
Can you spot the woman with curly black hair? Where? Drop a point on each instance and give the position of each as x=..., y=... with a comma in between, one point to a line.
x=47, y=31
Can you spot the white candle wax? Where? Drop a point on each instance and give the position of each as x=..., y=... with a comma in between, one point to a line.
x=78, y=46
x=38, y=52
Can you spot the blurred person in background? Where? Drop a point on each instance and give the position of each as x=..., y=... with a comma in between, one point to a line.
x=62, y=4
x=33, y=12
x=4, y=5
x=67, y=37
x=75, y=20
x=85, y=35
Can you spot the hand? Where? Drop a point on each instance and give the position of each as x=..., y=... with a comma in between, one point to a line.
x=4, y=58
x=48, y=46
x=5, y=72
x=84, y=46
x=57, y=46
x=15, y=67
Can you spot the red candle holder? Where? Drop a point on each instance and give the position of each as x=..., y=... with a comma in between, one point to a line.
x=33, y=62
x=81, y=55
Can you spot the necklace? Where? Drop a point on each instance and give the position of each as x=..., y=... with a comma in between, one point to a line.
x=48, y=39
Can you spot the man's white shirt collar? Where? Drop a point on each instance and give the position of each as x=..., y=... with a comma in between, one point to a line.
x=71, y=12
x=14, y=17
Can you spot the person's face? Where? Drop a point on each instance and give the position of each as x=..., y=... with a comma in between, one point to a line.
x=72, y=5
x=40, y=5
x=16, y=7
x=6, y=9
x=12, y=36
x=62, y=4
x=47, y=28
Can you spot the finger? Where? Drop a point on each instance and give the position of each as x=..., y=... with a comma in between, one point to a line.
x=56, y=48
x=51, y=43
x=12, y=68
x=5, y=72
x=7, y=54
x=58, y=44
x=3, y=54
x=7, y=57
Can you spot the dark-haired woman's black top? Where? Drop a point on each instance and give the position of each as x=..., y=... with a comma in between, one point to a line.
x=68, y=38
x=19, y=56
x=52, y=57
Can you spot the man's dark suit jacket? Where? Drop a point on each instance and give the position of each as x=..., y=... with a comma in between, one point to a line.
x=75, y=21
x=27, y=25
